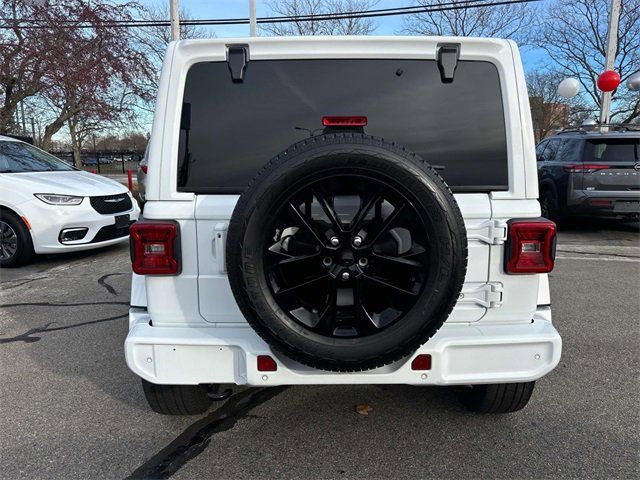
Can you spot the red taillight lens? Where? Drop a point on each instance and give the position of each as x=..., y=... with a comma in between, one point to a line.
x=584, y=167
x=143, y=168
x=155, y=248
x=266, y=364
x=600, y=202
x=531, y=246
x=352, y=121
x=421, y=362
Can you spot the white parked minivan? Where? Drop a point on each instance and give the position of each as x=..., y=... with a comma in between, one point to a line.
x=342, y=210
x=47, y=206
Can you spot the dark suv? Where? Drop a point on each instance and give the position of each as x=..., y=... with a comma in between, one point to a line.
x=594, y=173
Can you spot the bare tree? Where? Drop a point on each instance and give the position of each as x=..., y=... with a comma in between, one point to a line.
x=479, y=20
x=300, y=8
x=574, y=35
x=154, y=40
x=23, y=60
x=549, y=111
x=95, y=71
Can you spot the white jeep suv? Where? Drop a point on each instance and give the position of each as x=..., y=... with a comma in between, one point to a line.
x=342, y=210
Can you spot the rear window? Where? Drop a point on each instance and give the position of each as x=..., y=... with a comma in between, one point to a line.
x=612, y=150
x=229, y=130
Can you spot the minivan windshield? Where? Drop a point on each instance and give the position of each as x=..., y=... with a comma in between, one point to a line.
x=19, y=157
x=612, y=150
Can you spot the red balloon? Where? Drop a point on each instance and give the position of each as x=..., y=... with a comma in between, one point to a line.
x=608, y=81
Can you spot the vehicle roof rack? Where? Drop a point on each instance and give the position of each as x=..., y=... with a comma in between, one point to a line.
x=616, y=127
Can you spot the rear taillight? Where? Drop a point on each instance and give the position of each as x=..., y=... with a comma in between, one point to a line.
x=143, y=168
x=155, y=248
x=344, y=121
x=584, y=167
x=530, y=246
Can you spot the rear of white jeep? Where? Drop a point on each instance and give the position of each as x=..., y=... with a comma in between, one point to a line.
x=342, y=211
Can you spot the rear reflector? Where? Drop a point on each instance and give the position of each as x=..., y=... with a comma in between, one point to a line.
x=421, y=362
x=266, y=364
x=602, y=202
x=530, y=247
x=155, y=248
x=584, y=167
x=352, y=121
x=143, y=168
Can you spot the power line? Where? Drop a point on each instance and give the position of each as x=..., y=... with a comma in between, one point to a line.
x=289, y=19
x=308, y=17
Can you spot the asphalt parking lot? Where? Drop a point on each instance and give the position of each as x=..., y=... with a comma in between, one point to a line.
x=70, y=408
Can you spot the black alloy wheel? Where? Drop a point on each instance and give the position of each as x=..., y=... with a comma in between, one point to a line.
x=16, y=245
x=346, y=255
x=8, y=241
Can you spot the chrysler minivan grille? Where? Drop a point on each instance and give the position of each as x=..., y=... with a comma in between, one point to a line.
x=111, y=203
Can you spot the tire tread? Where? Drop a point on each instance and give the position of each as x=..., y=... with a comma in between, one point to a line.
x=497, y=398
x=176, y=399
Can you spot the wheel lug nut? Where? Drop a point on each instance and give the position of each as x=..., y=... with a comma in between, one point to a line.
x=363, y=262
x=335, y=241
x=345, y=276
x=326, y=261
x=357, y=241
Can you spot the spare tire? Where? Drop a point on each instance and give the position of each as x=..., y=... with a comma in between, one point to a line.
x=346, y=252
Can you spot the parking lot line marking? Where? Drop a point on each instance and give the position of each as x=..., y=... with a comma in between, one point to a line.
x=601, y=259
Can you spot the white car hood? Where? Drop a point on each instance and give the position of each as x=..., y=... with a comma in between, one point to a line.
x=83, y=184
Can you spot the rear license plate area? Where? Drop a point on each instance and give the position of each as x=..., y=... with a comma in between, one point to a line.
x=631, y=206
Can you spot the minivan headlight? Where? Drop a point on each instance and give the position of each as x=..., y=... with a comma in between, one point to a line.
x=54, y=199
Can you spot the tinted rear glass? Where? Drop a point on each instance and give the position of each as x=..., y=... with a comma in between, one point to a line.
x=612, y=150
x=233, y=129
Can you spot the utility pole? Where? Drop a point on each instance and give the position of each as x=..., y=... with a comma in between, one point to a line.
x=24, y=124
x=33, y=132
x=175, y=20
x=612, y=42
x=252, y=18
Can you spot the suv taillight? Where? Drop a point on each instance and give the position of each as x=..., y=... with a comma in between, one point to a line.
x=584, y=167
x=530, y=246
x=155, y=248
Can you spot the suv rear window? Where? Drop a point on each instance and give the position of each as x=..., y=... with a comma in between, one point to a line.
x=230, y=130
x=612, y=150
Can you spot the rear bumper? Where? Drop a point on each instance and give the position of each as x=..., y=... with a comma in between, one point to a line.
x=604, y=204
x=461, y=354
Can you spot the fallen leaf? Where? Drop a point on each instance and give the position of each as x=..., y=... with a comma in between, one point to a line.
x=363, y=409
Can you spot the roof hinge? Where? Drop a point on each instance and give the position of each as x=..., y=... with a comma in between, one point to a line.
x=488, y=295
x=448, y=54
x=493, y=232
x=237, y=59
